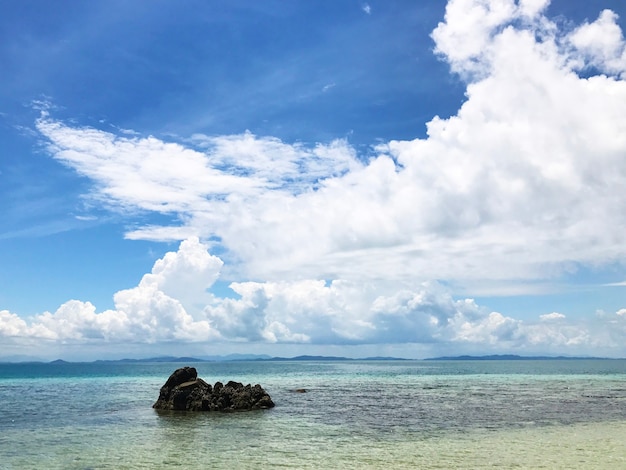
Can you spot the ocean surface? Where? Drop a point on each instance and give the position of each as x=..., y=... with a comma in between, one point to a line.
x=356, y=414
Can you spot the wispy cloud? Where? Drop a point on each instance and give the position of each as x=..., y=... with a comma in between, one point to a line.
x=367, y=8
x=344, y=247
x=504, y=190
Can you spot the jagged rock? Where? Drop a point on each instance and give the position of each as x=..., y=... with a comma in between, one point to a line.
x=185, y=391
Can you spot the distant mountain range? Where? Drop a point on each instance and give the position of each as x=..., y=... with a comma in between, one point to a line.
x=265, y=357
x=251, y=357
x=227, y=358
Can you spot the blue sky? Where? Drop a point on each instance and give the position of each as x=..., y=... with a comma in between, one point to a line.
x=408, y=178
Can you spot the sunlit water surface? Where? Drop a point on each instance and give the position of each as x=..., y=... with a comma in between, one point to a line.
x=404, y=414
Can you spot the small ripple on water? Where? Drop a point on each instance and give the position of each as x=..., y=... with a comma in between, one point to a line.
x=369, y=416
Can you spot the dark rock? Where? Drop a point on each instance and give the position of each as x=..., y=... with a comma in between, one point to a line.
x=299, y=390
x=185, y=391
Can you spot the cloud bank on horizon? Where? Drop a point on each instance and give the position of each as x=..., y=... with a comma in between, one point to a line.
x=523, y=184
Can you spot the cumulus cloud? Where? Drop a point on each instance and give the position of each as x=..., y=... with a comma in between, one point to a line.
x=552, y=316
x=12, y=325
x=522, y=183
x=601, y=44
x=165, y=306
x=305, y=312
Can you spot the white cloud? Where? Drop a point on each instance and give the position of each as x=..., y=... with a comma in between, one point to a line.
x=552, y=316
x=186, y=275
x=532, y=8
x=523, y=183
x=602, y=44
x=493, y=330
x=305, y=312
x=468, y=31
x=147, y=313
x=12, y=325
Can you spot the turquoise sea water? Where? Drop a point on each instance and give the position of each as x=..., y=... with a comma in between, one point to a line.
x=404, y=414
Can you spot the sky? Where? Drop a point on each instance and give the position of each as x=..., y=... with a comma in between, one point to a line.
x=409, y=178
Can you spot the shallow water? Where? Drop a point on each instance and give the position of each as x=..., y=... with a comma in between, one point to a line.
x=405, y=414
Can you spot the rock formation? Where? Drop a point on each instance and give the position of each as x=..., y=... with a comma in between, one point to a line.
x=185, y=391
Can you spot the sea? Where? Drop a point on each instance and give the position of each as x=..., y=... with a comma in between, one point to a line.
x=552, y=414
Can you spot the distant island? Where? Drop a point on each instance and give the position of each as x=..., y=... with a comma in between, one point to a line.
x=267, y=358
x=247, y=357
